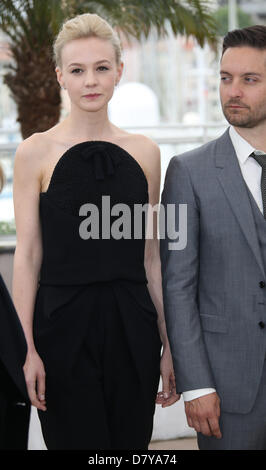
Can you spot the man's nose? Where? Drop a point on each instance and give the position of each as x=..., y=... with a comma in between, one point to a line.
x=235, y=90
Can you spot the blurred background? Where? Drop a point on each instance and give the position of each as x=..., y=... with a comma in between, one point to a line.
x=169, y=92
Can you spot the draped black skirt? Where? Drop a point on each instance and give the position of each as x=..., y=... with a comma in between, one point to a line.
x=101, y=348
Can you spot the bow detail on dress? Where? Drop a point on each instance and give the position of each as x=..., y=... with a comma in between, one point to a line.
x=104, y=161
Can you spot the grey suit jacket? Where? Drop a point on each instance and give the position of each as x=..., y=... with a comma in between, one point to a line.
x=213, y=290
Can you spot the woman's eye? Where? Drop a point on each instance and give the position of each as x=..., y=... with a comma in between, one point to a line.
x=102, y=68
x=75, y=70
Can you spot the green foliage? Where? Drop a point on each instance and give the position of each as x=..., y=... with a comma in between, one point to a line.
x=7, y=228
x=40, y=20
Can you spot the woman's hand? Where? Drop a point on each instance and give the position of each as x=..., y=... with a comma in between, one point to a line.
x=35, y=380
x=168, y=396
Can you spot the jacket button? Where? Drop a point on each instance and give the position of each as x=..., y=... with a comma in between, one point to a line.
x=261, y=324
x=262, y=284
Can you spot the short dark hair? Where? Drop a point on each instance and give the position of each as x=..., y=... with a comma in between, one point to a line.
x=252, y=36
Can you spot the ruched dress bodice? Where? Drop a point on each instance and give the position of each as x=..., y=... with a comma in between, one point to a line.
x=106, y=184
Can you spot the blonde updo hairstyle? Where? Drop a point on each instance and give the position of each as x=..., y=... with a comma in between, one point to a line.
x=84, y=26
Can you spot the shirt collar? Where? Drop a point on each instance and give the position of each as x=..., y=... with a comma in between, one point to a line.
x=242, y=148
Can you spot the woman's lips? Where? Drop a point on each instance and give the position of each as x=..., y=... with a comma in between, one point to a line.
x=92, y=95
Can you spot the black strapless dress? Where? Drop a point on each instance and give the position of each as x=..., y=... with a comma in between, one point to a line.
x=95, y=325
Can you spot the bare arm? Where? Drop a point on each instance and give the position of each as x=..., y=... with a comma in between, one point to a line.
x=152, y=253
x=28, y=253
x=153, y=272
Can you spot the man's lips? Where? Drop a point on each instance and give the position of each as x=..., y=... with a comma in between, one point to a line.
x=235, y=106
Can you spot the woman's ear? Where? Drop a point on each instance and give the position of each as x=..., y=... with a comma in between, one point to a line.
x=59, y=77
x=120, y=69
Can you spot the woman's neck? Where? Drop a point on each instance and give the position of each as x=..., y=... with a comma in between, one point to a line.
x=87, y=125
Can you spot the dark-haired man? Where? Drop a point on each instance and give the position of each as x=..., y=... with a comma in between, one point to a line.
x=215, y=289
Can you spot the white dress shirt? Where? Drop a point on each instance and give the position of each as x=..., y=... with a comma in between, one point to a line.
x=251, y=172
x=250, y=168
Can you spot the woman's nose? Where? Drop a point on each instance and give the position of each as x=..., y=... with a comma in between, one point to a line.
x=91, y=78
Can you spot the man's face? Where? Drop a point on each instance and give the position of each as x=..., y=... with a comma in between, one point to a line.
x=243, y=86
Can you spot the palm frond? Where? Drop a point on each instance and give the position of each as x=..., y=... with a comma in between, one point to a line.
x=33, y=24
x=38, y=20
x=138, y=17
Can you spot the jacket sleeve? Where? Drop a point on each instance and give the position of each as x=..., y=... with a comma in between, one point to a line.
x=180, y=271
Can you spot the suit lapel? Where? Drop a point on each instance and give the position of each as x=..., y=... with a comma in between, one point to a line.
x=230, y=177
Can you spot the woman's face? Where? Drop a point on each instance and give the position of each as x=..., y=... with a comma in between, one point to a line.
x=89, y=72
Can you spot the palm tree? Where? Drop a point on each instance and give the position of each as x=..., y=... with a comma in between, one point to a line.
x=31, y=26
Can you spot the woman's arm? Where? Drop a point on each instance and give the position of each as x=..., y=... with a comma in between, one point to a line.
x=152, y=252
x=153, y=272
x=28, y=256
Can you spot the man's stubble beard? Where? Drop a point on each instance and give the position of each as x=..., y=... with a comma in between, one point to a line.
x=250, y=120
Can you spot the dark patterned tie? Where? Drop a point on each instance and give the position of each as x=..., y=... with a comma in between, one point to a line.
x=261, y=159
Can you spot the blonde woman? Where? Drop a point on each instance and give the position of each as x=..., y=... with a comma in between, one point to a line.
x=14, y=403
x=89, y=299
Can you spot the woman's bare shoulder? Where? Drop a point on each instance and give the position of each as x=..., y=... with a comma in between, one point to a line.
x=138, y=140
x=32, y=145
x=140, y=145
x=145, y=150
x=30, y=158
x=146, y=143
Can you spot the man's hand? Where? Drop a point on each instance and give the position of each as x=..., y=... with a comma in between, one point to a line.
x=203, y=414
